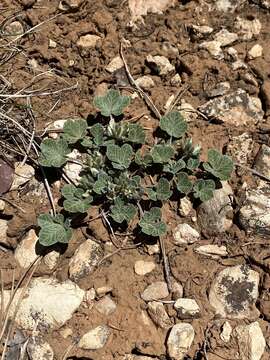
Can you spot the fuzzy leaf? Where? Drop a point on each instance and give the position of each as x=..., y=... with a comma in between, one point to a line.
x=151, y=223
x=203, y=189
x=112, y=103
x=193, y=163
x=143, y=160
x=184, y=185
x=162, y=153
x=53, y=152
x=221, y=166
x=101, y=184
x=53, y=230
x=74, y=201
x=120, y=156
x=174, y=124
x=136, y=134
x=121, y=212
x=74, y=130
x=98, y=133
x=174, y=167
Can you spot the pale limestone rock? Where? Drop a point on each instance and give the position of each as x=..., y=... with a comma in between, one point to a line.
x=162, y=64
x=38, y=349
x=66, y=332
x=73, y=169
x=13, y=30
x=115, y=64
x=51, y=259
x=23, y=174
x=88, y=41
x=177, y=290
x=262, y=162
x=187, y=308
x=158, y=314
x=65, y=5
x=3, y=231
x=95, y=339
x=185, y=234
x=2, y=205
x=176, y=80
x=85, y=259
x=185, y=206
x=234, y=292
x=142, y=267
x=214, y=48
x=226, y=332
x=255, y=52
x=225, y=38
x=103, y=290
x=180, y=340
x=156, y=291
x=247, y=29
x=106, y=306
x=153, y=249
x=202, y=29
x=145, y=82
x=52, y=44
x=240, y=148
x=211, y=250
x=25, y=253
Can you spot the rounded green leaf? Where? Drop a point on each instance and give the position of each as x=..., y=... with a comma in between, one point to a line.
x=203, y=189
x=112, y=103
x=174, y=124
x=219, y=165
x=184, y=185
x=74, y=130
x=53, y=152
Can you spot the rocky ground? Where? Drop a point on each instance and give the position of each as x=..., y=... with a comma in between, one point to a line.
x=91, y=300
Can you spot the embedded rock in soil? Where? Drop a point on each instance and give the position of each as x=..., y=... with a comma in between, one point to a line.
x=177, y=290
x=247, y=29
x=138, y=357
x=187, y=111
x=47, y=303
x=255, y=51
x=145, y=82
x=13, y=30
x=251, y=342
x=228, y=5
x=201, y=29
x=160, y=64
x=176, y=80
x=142, y=267
x=187, y=308
x=265, y=4
x=115, y=64
x=103, y=290
x=214, y=214
x=95, y=339
x=73, y=169
x=138, y=8
x=240, y=148
x=2, y=205
x=254, y=215
x=185, y=206
x=69, y=5
x=155, y=291
x=51, y=259
x=3, y=231
x=220, y=89
x=236, y=109
x=38, y=349
x=185, y=234
x=262, y=162
x=180, y=340
x=85, y=259
x=52, y=44
x=211, y=250
x=234, y=292
x=214, y=48
x=224, y=37
x=88, y=41
x=158, y=314
x=226, y=332
x=25, y=253
x=23, y=173
x=106, y=306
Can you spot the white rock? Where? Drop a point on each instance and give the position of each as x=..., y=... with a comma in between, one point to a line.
x=237, y=109
x=177, y=290
x=220, y=89
x=95, y=339
x=238, y=64
x=88, y=41
x=158, y=314
x=233, y=53
x=69, y=4
x=187, y=308
x=251, y=341
x=3, y=231
x=254, y=215
x=156, y=291
x=145, y=82
x=169, y=102
x=185, y=206
x=89, y=298
x=51, y=259
x=139, y=8
x=185, y=234
x=52, y=44
x=115, y=64
x=176, y=80
x=262, y=162
x=25, y=253
x=214, y=48
x=162, y=63
x=234, y=292
x=226, y=332
x=14, y=29
x=202, y=29
x=224, y=37
x=65, y=333
x=73, y=169
x=189, y=113
x=180, y=340
x=255, y=52
x=142, y=267
x=138, y=357
x=85, y=259
x=240, y=148
x=103, y=290
x=153, y=249
x=47, y=304
x=247, y=29
x=2, y=205
x=23, y=173
x=211, y=250
x=38, y=349
x=106, y=306
x=227, y=5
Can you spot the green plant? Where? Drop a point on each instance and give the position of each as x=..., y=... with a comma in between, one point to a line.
x=128, y=177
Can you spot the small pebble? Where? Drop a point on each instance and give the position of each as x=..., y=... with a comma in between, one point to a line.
x=142, y=267
x=156, y=291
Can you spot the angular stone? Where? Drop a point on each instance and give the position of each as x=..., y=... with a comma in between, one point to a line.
x=145, y=82
x=23, y=173
x=69, y=5
x=155, y=291
x=224, y=37
x=14, y=29
x=88, y=41
x=47, y=303
x=185, y=234
x=186, y=308
x=185, y=206
x=161, y=63
x=138, y=357
x=214, y=48
x=234, y=292
x=237, y=109
x=142, y=267
x=95, y=339
x=240, y=148
x=219, y=90
x=226, y=332
x=38, y=349
x=228, y=5
x=180, y=340
x=255, y=52
x=85, y=259
x=262, y=162
x=3, y=231
x=2, y=205
x=106, y=306
x=202, y=29
x=177, y=290
x=247, y=29
x=158, y=314
x=52, y=44
x=251, y=342
x=25, y=253
x=73, y=169
x=176, y=80
x=51, y=259
x=115, y=64
x=211, y=250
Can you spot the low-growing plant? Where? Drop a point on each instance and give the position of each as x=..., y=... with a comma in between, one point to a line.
x=129, y=177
